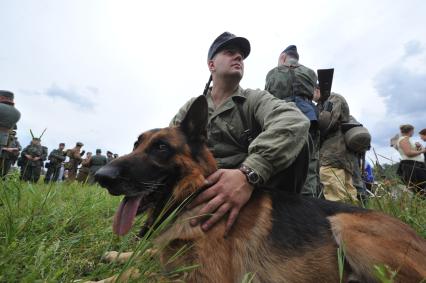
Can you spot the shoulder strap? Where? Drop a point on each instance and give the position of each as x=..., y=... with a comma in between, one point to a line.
x=247, y=133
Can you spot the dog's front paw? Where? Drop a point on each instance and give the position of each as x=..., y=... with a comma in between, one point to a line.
x=113, y=256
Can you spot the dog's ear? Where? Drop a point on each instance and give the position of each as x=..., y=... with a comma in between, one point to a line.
x=194, y=125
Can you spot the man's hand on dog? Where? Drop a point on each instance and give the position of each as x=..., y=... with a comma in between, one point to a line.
x=228, y=191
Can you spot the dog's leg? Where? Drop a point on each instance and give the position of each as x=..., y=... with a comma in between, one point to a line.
x=113, y=256
x=373, y=239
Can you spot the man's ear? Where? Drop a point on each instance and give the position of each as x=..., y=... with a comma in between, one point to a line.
x=210, y=64
x=194, y=125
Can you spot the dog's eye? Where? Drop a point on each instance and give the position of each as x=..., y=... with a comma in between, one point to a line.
x=135, y=145
x=162, y=146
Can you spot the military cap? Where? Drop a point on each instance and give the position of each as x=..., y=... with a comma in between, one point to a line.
x=98, y=150
x=6, y=97
x=36, y=139
x=228, y=39
x=62, y=144
x=79, y=144
x=291, y=50
x=109, y=152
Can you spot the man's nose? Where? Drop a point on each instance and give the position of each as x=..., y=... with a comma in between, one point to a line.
x=238, y=56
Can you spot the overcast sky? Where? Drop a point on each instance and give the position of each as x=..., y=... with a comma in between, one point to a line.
x=101, y=72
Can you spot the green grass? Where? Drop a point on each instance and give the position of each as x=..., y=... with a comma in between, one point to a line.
x=59, y=232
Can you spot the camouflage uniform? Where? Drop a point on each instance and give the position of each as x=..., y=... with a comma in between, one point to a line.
x=31, y=169
x=294, y=82
x=56, y=157
x=9, y=157
x=96, y=163
x=336, y=161
x=279, y=132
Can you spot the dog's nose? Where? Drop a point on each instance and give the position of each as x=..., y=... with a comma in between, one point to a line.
x=107, y=176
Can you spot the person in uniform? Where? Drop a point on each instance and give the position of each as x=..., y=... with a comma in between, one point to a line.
x=9, y=116
x=74, y=155
x=96, y=163
x=56, y=157
x=10, y=153
x=257, y=139
x=32, y=160
x=110, y=157
x=294, y=82
x=336, y=160
x=83, y=172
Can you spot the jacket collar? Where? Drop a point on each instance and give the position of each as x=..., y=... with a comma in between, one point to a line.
x=228, y=104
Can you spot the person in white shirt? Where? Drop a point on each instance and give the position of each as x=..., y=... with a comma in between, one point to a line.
x=412, y=166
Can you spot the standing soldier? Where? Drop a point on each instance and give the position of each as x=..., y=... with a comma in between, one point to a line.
x=83, y=172
x=9, y=116
x=56, y=157
x=10, y=154
x=336, y=161
x=293, y=82
x=32, y=161
x=75, y=155
x=109, y=156
x=96, y=163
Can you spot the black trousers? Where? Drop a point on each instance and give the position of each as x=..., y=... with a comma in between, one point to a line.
x=413, y=173
x=52, y=174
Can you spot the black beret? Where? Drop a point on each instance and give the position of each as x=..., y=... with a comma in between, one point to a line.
x=226, y=39
x=98, y=151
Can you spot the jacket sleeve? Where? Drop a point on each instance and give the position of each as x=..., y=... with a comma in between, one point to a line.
x=284, y=132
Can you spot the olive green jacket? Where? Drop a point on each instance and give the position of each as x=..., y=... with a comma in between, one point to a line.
x=280, y=82
x=333, y=151
x=96, y=162
x=56, y=157
x=280, y=130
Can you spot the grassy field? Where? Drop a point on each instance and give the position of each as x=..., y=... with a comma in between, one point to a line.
x=58, y=232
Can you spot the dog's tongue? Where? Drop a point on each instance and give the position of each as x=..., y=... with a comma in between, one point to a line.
x=124, y=216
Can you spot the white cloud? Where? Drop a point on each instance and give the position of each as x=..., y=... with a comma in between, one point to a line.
x=145, y=59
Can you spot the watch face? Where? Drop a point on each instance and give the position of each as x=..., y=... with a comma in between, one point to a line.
x=253, y=177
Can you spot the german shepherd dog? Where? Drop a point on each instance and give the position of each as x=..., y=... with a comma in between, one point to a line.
x=278, y=237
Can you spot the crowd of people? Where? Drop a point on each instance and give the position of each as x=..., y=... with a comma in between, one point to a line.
x=61, y=165
x=34, y=160
x=295, y=127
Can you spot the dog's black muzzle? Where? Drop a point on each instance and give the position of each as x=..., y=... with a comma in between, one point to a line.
x=109, y=177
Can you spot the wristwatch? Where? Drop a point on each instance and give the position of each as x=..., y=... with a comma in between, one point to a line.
x=252, y=177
